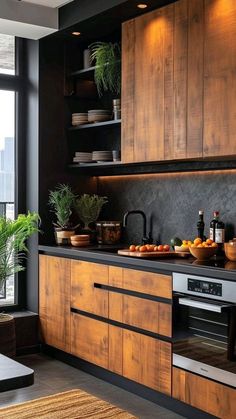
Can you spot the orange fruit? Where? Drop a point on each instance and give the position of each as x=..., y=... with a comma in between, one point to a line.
x=197, y=241
x=132, y=248
x=143, y=248
x=209, y=241
x=200, y=245
x=214, y=244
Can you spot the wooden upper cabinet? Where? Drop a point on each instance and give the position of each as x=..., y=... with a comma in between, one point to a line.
x=84, y=295
x=220, y=78
x=147, y=85
x=54, y=301
x=178, y=82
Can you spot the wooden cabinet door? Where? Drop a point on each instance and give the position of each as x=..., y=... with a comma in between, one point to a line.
x=219, y=78
x=89, y=339
x=54, y=301
x=147, y=86
x=214, y=398
x=85, y=295
x=147, y=361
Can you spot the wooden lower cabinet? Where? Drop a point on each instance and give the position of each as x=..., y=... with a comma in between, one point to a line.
x=54, y=301
x=207, y=395
x=89, y=339
x=147, y=361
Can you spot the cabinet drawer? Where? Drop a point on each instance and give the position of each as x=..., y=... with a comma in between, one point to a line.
x=89, y=340
x=214, y=398
x=144, y=314
x=144, y=282
x=147, y=361
x=84, y=296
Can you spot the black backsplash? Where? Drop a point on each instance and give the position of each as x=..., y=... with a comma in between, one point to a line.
x=171, y=202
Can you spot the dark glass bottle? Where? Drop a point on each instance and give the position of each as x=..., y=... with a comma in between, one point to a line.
x=217, y=230
x=201, y=225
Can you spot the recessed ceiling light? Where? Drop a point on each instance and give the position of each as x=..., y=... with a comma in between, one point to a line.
x=76, y=33
x=142, y=6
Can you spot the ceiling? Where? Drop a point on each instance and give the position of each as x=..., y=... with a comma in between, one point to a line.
x=48, y=3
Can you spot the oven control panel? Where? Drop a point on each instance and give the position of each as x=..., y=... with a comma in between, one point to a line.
x=205, y=287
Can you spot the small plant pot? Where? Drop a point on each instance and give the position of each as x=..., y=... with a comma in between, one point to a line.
x=91, y=232
x=62, y=237
x=7, y=335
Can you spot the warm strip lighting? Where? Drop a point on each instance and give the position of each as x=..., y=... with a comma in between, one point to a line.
x=169, y=175
x=76, y=33
x=142, y=6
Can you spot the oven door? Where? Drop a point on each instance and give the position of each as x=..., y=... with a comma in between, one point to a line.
x=204, y=337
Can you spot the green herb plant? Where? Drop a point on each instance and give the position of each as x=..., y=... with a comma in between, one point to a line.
x=13, y=249
x=107, y=57
x=61, y=201
x=89, y=207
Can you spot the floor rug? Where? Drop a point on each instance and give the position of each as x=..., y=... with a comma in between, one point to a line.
x=74, y=404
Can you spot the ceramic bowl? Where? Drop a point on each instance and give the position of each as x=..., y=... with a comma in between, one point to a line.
x=203, y=253
x=230, y=250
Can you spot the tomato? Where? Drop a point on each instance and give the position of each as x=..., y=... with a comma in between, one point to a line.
x=137, y=248
x=166, y=248
x=160, y=248
x=132, y=248
x=143, y=248
x=155, y=249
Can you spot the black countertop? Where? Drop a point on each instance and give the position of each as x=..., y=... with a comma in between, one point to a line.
x=215, y=268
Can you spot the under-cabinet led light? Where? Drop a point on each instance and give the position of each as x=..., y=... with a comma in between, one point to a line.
x=142, y=6
x=76, y=33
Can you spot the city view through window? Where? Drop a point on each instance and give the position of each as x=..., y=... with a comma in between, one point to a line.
x=7, y=147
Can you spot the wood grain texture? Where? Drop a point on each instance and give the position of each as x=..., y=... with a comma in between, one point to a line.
x=54, y=301
x=147, y=361
x=84, y=296
x=195, y=78
x=89, y=339
x=180, y=77
x=219, y=78
x=115, y=349
x=204, y=394
x=127, y=94
x=150, y=283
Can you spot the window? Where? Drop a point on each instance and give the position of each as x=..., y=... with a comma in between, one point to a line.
x=9, y=94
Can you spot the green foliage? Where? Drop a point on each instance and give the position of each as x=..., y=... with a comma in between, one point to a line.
x=89, y=207
x=13, y=235
x=108, y=66
x=61, y=201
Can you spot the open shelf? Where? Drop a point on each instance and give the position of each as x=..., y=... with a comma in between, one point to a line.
x=84, y=74
x=96, y=125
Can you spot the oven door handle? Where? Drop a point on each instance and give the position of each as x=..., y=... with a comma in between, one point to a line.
x=190, y=302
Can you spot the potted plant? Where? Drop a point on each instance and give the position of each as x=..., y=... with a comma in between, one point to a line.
x=88, y=208
x=61, y=201
x=13, y=249
x=107, y=57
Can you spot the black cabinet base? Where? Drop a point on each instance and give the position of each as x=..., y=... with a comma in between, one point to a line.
x=138, y=389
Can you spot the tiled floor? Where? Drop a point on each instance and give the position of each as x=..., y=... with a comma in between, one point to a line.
x=52, y=376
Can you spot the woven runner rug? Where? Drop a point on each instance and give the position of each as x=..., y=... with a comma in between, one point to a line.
x=75, y=404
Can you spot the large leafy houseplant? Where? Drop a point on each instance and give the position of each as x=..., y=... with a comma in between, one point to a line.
x=107, y=57
x=61, y=201
x=89, y=207
x=13, y=249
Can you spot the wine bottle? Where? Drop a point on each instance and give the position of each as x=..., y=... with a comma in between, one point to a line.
x=201, y=225
x=217, y=229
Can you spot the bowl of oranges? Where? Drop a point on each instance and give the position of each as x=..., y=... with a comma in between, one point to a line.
x=203, y=250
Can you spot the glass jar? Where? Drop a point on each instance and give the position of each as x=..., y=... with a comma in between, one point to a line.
x=109, y=232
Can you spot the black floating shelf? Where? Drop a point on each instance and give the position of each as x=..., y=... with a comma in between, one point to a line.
x=119, y=168
x=96, y=125
x=84, y=74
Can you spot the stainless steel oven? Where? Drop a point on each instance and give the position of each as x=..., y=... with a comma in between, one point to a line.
x=204, y=327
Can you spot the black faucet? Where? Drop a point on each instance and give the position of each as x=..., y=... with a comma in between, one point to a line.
x=145, y=239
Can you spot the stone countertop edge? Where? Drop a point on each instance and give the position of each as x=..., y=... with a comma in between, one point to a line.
x=157, y=266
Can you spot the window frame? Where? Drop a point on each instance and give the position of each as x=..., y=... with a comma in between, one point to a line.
x=16, y=83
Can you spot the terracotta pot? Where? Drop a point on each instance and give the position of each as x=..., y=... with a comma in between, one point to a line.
x=7, y=335
x=62, y=237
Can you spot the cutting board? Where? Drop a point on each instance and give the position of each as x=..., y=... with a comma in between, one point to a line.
x=127, y=252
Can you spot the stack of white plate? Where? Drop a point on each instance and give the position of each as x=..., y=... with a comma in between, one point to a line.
x=99, y=115
x=79, y=119
x=101, y=156
x=82, y=157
